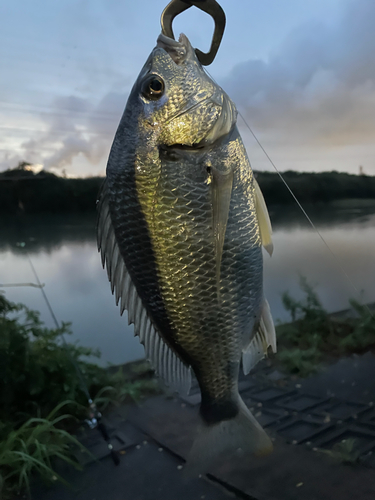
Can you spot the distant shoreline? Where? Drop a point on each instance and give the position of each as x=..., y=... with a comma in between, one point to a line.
x=24, y=191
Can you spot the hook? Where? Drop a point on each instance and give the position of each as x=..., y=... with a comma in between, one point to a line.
x=212, y=8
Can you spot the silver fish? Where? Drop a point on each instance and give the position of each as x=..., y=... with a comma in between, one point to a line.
x=180, y=229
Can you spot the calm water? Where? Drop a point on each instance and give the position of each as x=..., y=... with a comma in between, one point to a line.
x=63, y=250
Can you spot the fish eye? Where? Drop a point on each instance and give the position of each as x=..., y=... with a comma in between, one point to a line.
x=153, y=87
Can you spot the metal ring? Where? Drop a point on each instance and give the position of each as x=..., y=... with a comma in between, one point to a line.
x=212, y=8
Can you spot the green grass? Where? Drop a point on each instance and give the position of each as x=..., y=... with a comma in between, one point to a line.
x=32, y=448
x=124, y=390
x=37, y=381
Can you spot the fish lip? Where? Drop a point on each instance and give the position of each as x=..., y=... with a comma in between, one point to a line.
x=178, y=50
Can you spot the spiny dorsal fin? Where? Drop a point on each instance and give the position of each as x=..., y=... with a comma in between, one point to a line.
x=165, y=361
x=264, y=338
x=264, y=222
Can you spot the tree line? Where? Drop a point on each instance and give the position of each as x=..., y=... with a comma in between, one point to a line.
x=321, y=187
x=23, y=190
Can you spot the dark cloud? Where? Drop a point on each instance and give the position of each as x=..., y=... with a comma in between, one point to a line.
x=319, y=85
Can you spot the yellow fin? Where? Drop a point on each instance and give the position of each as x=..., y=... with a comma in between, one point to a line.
x=221, y=189
x=264, y=222
x=265, y=337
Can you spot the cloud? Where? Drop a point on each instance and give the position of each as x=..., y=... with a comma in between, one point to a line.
x=317, y=91
x=320, y=84
x=74, y=127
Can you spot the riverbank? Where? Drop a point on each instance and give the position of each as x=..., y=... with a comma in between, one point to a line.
x=317, y=423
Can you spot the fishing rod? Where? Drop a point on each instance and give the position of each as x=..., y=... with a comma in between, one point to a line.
x=94, y=419
x=12, y=285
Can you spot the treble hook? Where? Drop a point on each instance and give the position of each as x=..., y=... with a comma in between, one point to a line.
x=212, y=8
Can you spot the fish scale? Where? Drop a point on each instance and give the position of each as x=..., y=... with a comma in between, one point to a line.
x=182, y=199
x=181, y=226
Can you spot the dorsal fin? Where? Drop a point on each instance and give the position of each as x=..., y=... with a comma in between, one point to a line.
x=167, y=364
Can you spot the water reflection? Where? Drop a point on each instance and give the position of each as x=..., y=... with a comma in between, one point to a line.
x=63, y=250
x=45, y=232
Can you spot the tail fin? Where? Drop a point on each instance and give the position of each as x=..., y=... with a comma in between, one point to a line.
x=217, y=443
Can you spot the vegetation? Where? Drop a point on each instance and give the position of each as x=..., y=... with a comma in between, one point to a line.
x=315, y=187
x=314, y=335
x=31, y=448
x=22, y=189
x=37, y=382
x=36, y=371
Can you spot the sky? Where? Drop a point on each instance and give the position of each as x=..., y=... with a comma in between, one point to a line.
x=301, y=72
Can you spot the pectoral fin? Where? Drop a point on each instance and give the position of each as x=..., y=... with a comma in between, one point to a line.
x=221, y=189
x=264, y=222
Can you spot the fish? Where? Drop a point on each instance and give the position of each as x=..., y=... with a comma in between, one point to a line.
x=181, y=226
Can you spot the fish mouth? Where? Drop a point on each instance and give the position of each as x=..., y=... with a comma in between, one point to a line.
x=220, y=109
x=179, y=50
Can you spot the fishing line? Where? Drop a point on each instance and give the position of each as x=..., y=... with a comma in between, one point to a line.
x=74, y=362
x=333, y=255
x=12, y=285
x=95, y=420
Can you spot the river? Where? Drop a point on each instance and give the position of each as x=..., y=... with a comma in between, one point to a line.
x=63, y=251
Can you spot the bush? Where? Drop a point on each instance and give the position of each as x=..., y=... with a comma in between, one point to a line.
x=300, y=362
x=362, y=334
x=313, y=333
x=311, y=325
x=36, y=368
x=37, y=379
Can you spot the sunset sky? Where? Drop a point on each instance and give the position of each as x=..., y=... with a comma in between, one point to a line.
x=302, y=72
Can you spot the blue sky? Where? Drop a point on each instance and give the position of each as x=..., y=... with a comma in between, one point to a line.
x=301, y=72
